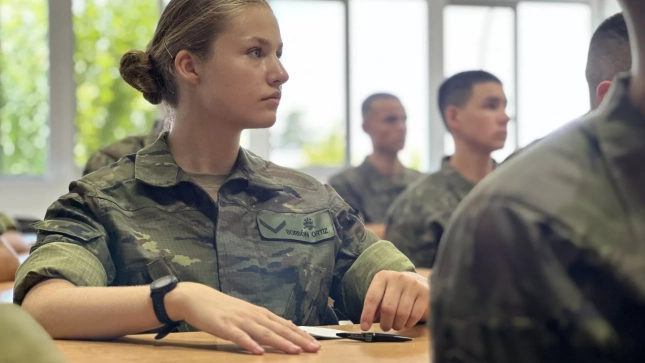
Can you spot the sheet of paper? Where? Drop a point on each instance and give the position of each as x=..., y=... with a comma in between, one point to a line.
x=321, y=333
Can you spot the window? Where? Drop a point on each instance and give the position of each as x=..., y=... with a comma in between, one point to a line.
x=389, y=53
x=482, y=37
x=24, y=87
x=611, y=7
x=310, y=127
x=552, y=62
x=107, y=108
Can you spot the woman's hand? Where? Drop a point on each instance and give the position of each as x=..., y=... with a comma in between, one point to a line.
x=236, y=320
x=400, y=299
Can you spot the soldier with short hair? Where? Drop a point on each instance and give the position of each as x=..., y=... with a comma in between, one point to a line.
x=371, y=187
x=473, y=107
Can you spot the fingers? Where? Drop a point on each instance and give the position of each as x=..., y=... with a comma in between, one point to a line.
x=293, y=327
x=401, y=299
x=419, y=311
x=266, y=336
x=372, y=301
x=239, y=337
x=402, y=315
x=283, y=329
x=260, y=327
x=390, y=305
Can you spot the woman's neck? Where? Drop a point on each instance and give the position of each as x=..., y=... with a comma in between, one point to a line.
x=202, y=145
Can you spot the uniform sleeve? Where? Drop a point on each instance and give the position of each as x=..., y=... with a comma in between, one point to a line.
x=500, y=294
x=97, y=161
x=413, y=231
x=361, y=256
x=71, y=245
x=344, y=189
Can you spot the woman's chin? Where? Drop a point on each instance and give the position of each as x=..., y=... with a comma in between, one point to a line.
x=260, y=123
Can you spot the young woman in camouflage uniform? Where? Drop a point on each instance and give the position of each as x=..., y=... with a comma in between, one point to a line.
x=257, y=248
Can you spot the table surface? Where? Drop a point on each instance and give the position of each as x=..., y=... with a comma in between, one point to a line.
x=201, y=347
x=425, y=272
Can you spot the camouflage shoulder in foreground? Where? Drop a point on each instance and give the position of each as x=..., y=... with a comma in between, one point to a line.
x=22, y=339
x=530, y=258
x=275, y=237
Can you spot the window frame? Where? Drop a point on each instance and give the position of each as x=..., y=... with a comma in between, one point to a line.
x=30, y=195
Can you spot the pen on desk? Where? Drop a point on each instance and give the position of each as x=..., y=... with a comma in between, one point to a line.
x=374, y=337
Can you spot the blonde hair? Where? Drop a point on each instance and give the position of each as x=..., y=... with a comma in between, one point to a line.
x=192, y=25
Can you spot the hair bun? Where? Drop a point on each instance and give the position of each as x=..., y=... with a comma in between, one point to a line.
x=136, y=69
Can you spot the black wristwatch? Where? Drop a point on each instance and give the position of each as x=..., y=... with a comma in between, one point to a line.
x=158, y=290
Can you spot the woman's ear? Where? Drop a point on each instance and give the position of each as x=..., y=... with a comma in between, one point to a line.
x=185, y=64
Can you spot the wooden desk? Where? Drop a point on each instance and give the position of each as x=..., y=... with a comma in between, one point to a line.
x=6, y=292
x=201, y=347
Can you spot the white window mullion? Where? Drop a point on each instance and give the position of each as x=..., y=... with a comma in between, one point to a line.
x=62, y=91
x=437, y=129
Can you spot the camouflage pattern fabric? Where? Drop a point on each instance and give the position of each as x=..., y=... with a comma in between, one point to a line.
x=417, y=219
x=370, y=192
x=2, y=226
x=114, y=152
x=276, y=238
x=544, y=260
x=6, y=223
x=23, y=340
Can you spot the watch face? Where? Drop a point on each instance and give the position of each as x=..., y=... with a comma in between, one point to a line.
x=162, y=282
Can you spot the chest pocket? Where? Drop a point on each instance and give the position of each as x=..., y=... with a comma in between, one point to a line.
x=305, y=250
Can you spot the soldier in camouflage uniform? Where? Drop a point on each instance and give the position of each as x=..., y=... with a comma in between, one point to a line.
x=23, y=340
x=12, y=236
x=372, y=187
x=473, y=106
x=8, y=259
x=130, y=145
x=256, y=247
x=544, y=261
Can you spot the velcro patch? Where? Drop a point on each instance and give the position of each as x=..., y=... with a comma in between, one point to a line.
x=310, y=228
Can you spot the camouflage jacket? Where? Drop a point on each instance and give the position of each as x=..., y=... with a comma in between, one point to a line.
x=23, y=340
x=545, y=260
x=417, y=219
x=276, y=238
x=370, y=192
x=114, y=152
